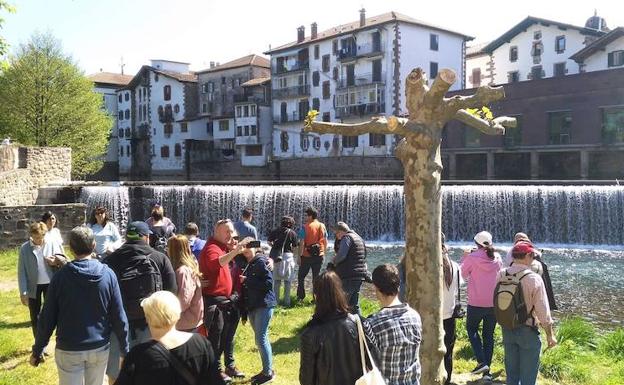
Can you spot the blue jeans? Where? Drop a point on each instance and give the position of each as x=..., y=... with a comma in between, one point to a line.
x=522, y=352
x=351, y=287
x=259, y=319
x=81, y=367
x=474, y=315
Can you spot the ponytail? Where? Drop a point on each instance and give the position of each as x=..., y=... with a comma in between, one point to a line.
x=447, y=268
x=489, y=250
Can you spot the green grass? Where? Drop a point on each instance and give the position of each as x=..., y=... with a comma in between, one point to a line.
x=612, y=344
x=8, y=265
x=577, y=330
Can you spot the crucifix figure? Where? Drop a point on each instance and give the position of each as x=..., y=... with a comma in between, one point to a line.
x=419, y=152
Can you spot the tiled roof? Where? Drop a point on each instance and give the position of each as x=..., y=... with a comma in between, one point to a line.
x=476, y=49
x=188, y=77
x=598, y=44
x=370, y=22
x=249, y=60
x=256, y=81
x=110, y=78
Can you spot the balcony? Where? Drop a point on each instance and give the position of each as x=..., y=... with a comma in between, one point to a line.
x=362, y=80
x=294, y=116
x=362, y=50
x=246, y=140
x=358, y=110
x=248, y=99
x=297, y=66
x=291, y=92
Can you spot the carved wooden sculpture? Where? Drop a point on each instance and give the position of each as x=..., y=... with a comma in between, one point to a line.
x=419, y=151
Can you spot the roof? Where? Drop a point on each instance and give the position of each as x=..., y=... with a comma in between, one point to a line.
x=370, y=22
x=598, y=44
x=110, y=78
x=190, y=77
x=256, y=82
x=527, y=22
x=170, y=61
x=476, y=50
x=249, y=60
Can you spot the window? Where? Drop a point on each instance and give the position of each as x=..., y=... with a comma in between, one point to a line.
x=325, y=63
x=144, y=93
x=140, y=113
x=167, y=92
x=559, y=127
x=472, y=137
x=513, y=54
x=127, y=97
x=176, y=108
x=239, y=110
x=210, y=87
x=120, y=133
x=184, y=127
x=376, y=70
x=127, y=114
x=316, y=52
x=164, y=152
x=433, y=70
x=246, y=111
x=305, y=142
x=559, y=69
x=560, y=42
x=210, y=127
x=128, y=150
x=121, y=115
x=222, y=80
x=476, y=77
x=127, y=132
x=513, y=136
x=537, y=35
x=376, y=139
x=140, y=95
x=316, y=143
x=537, y=49
x=326, y=117
x=246, y=130
x=204, y=88
x=615, y=58
x=335, y=47
x=120, y=98
x=335, y=77
x=177, y=150
x=255, y=150
x=284, y=141
x=239, y=131
x=316, y=77
x=252, y=110
x=121, y=152
x=326, y=89
x=153, y=150
x=204, y=108
x=145, y=111
x=349, y=141
x=253, y=131
x=156, y=77
x=224, y=125
x=537, y=73
x=316, y=104
x=433, y=41
x=513, y=76
x=613, y=125
x=168, y=129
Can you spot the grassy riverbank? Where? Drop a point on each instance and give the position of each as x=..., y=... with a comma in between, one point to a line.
x=584, y=357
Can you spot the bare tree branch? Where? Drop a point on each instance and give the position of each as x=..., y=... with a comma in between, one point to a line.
x=441, y=84
x=482, y=97
x=493, y=127
x=381, y=125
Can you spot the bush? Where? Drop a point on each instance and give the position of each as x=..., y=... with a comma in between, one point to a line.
x=612, y=344
x=578, y=330
x=556, y=362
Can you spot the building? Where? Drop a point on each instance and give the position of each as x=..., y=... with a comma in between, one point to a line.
x=253, y=120
x=607, y=52
x=106, y=83
x=535, y=48
x=157, y=114
x=350, y=73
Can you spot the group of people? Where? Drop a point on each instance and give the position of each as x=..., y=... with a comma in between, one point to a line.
x=162, y=308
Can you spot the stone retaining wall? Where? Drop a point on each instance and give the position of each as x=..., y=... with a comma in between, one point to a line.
x=16, y=188
x=14, y=221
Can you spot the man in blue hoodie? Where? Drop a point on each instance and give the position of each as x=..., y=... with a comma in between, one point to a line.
x=84, y=305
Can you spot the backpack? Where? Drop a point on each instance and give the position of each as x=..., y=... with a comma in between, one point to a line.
x=158, y=240
x=509, y=306
x=138, y=279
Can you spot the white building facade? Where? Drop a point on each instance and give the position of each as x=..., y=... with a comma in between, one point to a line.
x=603, y=54
x=349, y=74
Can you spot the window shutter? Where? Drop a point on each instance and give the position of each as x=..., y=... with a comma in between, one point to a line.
x=610, y=57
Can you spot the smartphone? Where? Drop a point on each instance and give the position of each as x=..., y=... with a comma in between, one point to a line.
x=253, y=244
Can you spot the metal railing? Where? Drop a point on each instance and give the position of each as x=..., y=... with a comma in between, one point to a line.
x=360, y=50
x=298, y=66
x=361, y=80
x=360, y=110
x=291, y=92
x=294, y=116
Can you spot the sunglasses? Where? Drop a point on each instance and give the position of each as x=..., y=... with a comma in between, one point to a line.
x=236, y=238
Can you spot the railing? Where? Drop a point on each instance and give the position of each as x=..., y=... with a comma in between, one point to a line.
x=360, y=110
x=294, y=116
x=291, y=92
x=362, y=80
x=298, y=66
x=352, y=52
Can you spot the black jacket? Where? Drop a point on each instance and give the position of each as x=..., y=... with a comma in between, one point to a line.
x=330, y=352
x=258, y=285
x=354, y=265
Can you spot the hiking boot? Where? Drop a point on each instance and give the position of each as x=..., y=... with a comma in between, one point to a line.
x=481, y=368
x=262, y=378
x=227, y=379
x=233, y=372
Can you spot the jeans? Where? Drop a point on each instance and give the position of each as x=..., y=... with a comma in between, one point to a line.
x=307, y=263
x=82, y=367
x=34, y=306
x=215, y=318
x=259, y=319
x=449, y=342
x=474, y=315
x=277, y=283
x=228, y=349
x=135, y=336
x=351, y=287
x=522, y=352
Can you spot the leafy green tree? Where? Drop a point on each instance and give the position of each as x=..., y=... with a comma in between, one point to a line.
x=45, y=100
x=3, y=44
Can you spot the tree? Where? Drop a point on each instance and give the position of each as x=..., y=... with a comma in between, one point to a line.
x=3, y=44
x=45, y=100
x=419, y=151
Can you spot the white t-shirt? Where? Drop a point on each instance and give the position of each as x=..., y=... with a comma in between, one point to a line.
x=42, y=274
x=449, y=295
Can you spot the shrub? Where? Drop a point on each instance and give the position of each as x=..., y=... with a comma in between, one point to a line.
x=612, y=344
x=578, y=330
x=556, y=362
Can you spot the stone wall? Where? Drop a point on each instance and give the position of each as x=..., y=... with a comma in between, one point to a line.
x=14, y=221
x=24, y=169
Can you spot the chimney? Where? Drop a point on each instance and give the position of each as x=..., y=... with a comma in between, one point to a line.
x=362, y=17
x=313, y=31
x=300, y=34
x=211, y=64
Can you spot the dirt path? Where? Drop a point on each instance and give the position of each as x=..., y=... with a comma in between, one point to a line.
x=8, y=285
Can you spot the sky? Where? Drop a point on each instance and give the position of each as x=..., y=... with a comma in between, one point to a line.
x=99, y=33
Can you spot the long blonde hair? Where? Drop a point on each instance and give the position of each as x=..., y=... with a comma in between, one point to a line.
x=180, y=253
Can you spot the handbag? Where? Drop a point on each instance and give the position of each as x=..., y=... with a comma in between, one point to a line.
x=374, y=376
x=180, y=367
x=458, y=310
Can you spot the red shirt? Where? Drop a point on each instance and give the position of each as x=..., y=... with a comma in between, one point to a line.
x=219, y=279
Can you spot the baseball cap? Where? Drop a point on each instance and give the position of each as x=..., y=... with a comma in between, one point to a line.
x=521, y=237
x=523, y=247
x=341, y=226
x=137, y=230
x=483, y=238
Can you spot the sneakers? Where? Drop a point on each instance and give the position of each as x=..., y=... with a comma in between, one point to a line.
x=227, y=379
x=481, y=368
x=262, y=378
x=233, y=372
x=487, y=377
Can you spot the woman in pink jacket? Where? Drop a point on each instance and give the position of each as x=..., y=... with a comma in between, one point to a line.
x=480, y=269
x=188, y=278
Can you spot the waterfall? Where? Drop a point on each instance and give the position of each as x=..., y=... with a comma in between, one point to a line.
x=552, y=214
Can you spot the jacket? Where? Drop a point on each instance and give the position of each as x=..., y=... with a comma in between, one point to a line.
x=481, y=273
x=27, y=268
x=191, y=301
x=352, y=265
x=330, y=351
x=258, y=285
x=84, y=304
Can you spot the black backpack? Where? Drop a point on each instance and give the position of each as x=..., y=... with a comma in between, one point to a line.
x=138, y=279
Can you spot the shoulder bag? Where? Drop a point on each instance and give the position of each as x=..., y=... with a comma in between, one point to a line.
x=458, y=311
x=374, y=376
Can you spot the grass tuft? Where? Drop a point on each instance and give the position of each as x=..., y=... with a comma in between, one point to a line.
x=612, y=344
x=578, y=330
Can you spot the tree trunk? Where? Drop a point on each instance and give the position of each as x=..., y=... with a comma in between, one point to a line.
x=423, y=254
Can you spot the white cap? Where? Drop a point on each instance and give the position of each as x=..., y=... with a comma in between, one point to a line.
x=483, y=238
